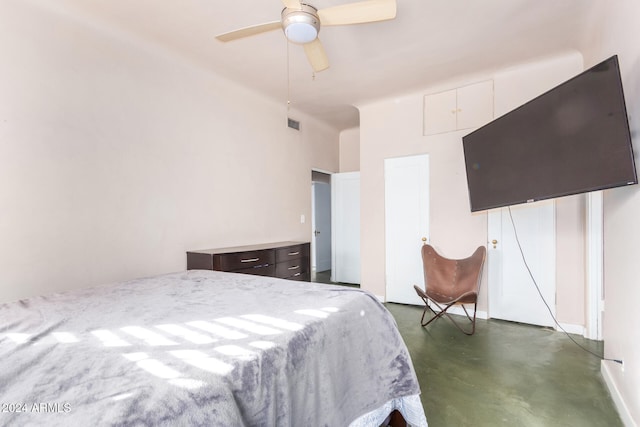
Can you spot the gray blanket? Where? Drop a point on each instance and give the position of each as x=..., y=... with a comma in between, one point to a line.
x=201, y=348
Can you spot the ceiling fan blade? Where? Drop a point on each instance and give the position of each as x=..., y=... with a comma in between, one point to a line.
x=358, y=13
x=316, y=55
x=291, y=4
x=249, y=31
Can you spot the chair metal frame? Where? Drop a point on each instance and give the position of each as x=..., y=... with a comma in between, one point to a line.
x=467, y=271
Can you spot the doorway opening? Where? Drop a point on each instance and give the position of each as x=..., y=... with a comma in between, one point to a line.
x=320, y=226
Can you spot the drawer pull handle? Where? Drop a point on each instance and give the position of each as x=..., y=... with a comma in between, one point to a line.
x=297, y=274
x=294, y=253
x=250, y=260
x=295, y=267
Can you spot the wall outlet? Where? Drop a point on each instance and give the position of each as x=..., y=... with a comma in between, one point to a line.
x=302, y=219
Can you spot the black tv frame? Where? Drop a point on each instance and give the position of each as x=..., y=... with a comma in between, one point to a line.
x=497, y=171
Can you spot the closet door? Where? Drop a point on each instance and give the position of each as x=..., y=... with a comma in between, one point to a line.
x=406, y=224
x=440, y=112
x=474, y=105
x=466, y=107
x=513, y=295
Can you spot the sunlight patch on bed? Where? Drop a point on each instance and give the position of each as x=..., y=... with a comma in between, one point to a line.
x=186, y=334
x=218, y=330
x=109, y=339
x=122, y=396
x=203, y=361
x=19, y=338
x=160, y=370
x=153, y=366
x=148, y=336
x=134, y=357
x=248, y=326
x=273, y=321
x=313, y=313
x=188, y=383
x=235, y=351
x=65, y=337
x=262, y=345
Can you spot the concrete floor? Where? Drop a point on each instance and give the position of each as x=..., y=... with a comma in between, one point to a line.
x=507, y=374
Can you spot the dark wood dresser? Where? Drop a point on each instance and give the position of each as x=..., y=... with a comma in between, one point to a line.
x=286, y=260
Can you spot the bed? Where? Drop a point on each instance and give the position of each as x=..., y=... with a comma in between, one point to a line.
x=205, y=348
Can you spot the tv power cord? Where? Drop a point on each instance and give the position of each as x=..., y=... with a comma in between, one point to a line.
x=600, y=356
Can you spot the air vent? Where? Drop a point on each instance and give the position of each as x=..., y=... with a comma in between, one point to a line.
x=293, y=124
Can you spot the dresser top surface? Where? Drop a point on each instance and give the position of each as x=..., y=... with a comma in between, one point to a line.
x=247, y=248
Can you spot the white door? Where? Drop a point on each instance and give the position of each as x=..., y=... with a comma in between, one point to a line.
x=321, y=238
x=512, y=293
x=406, y=201
x=345, y=220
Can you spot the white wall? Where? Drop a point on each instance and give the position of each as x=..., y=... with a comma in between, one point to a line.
x=393, y=127
x=619, y=35
x=116, y=158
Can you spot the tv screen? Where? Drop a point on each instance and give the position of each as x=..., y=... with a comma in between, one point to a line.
x=572, y=139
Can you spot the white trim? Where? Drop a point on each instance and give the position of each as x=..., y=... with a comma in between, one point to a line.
x=323, y=171
x=605, y=369
x=380, y=298
x=595, y=245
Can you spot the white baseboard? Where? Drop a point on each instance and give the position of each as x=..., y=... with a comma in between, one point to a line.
x=453, y=310
x=458, y=310
x=605, y=369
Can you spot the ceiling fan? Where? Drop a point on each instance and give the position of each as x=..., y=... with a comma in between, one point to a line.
x=301, y=24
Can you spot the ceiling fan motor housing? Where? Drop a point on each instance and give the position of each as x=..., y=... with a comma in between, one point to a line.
x=301, y=25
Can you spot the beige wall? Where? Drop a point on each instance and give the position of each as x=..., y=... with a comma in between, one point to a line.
x=619, y=35
x=393, y=128
x=350, y=150
x=116, y=158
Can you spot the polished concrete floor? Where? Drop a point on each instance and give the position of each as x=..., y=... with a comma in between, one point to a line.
x=507, y=374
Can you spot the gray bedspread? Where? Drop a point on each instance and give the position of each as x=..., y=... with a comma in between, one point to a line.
x=202, y=348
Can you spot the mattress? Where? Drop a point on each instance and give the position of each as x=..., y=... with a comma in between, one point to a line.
x=204, y=348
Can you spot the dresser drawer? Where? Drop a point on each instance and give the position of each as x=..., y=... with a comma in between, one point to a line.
x=286, y=260
x=242, y=260
x=289, y=268
x=292, y=252
x=260, y=270
x=302, y=277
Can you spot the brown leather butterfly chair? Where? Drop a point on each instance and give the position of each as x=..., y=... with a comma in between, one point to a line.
x=449, y=282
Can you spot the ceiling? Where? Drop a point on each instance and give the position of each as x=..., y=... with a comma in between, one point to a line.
x=430, y=41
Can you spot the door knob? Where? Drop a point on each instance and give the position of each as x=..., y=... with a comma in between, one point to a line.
x=494, y=242
x=316, y=232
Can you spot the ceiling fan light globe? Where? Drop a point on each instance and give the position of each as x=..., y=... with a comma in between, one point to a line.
x=301, y=25
x=300, y=32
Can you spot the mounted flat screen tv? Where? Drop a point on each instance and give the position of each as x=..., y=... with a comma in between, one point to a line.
x=572, y=139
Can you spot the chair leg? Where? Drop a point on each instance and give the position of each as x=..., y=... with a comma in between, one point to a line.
x=443, y=312
x=471, y=320
x=436, y=315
